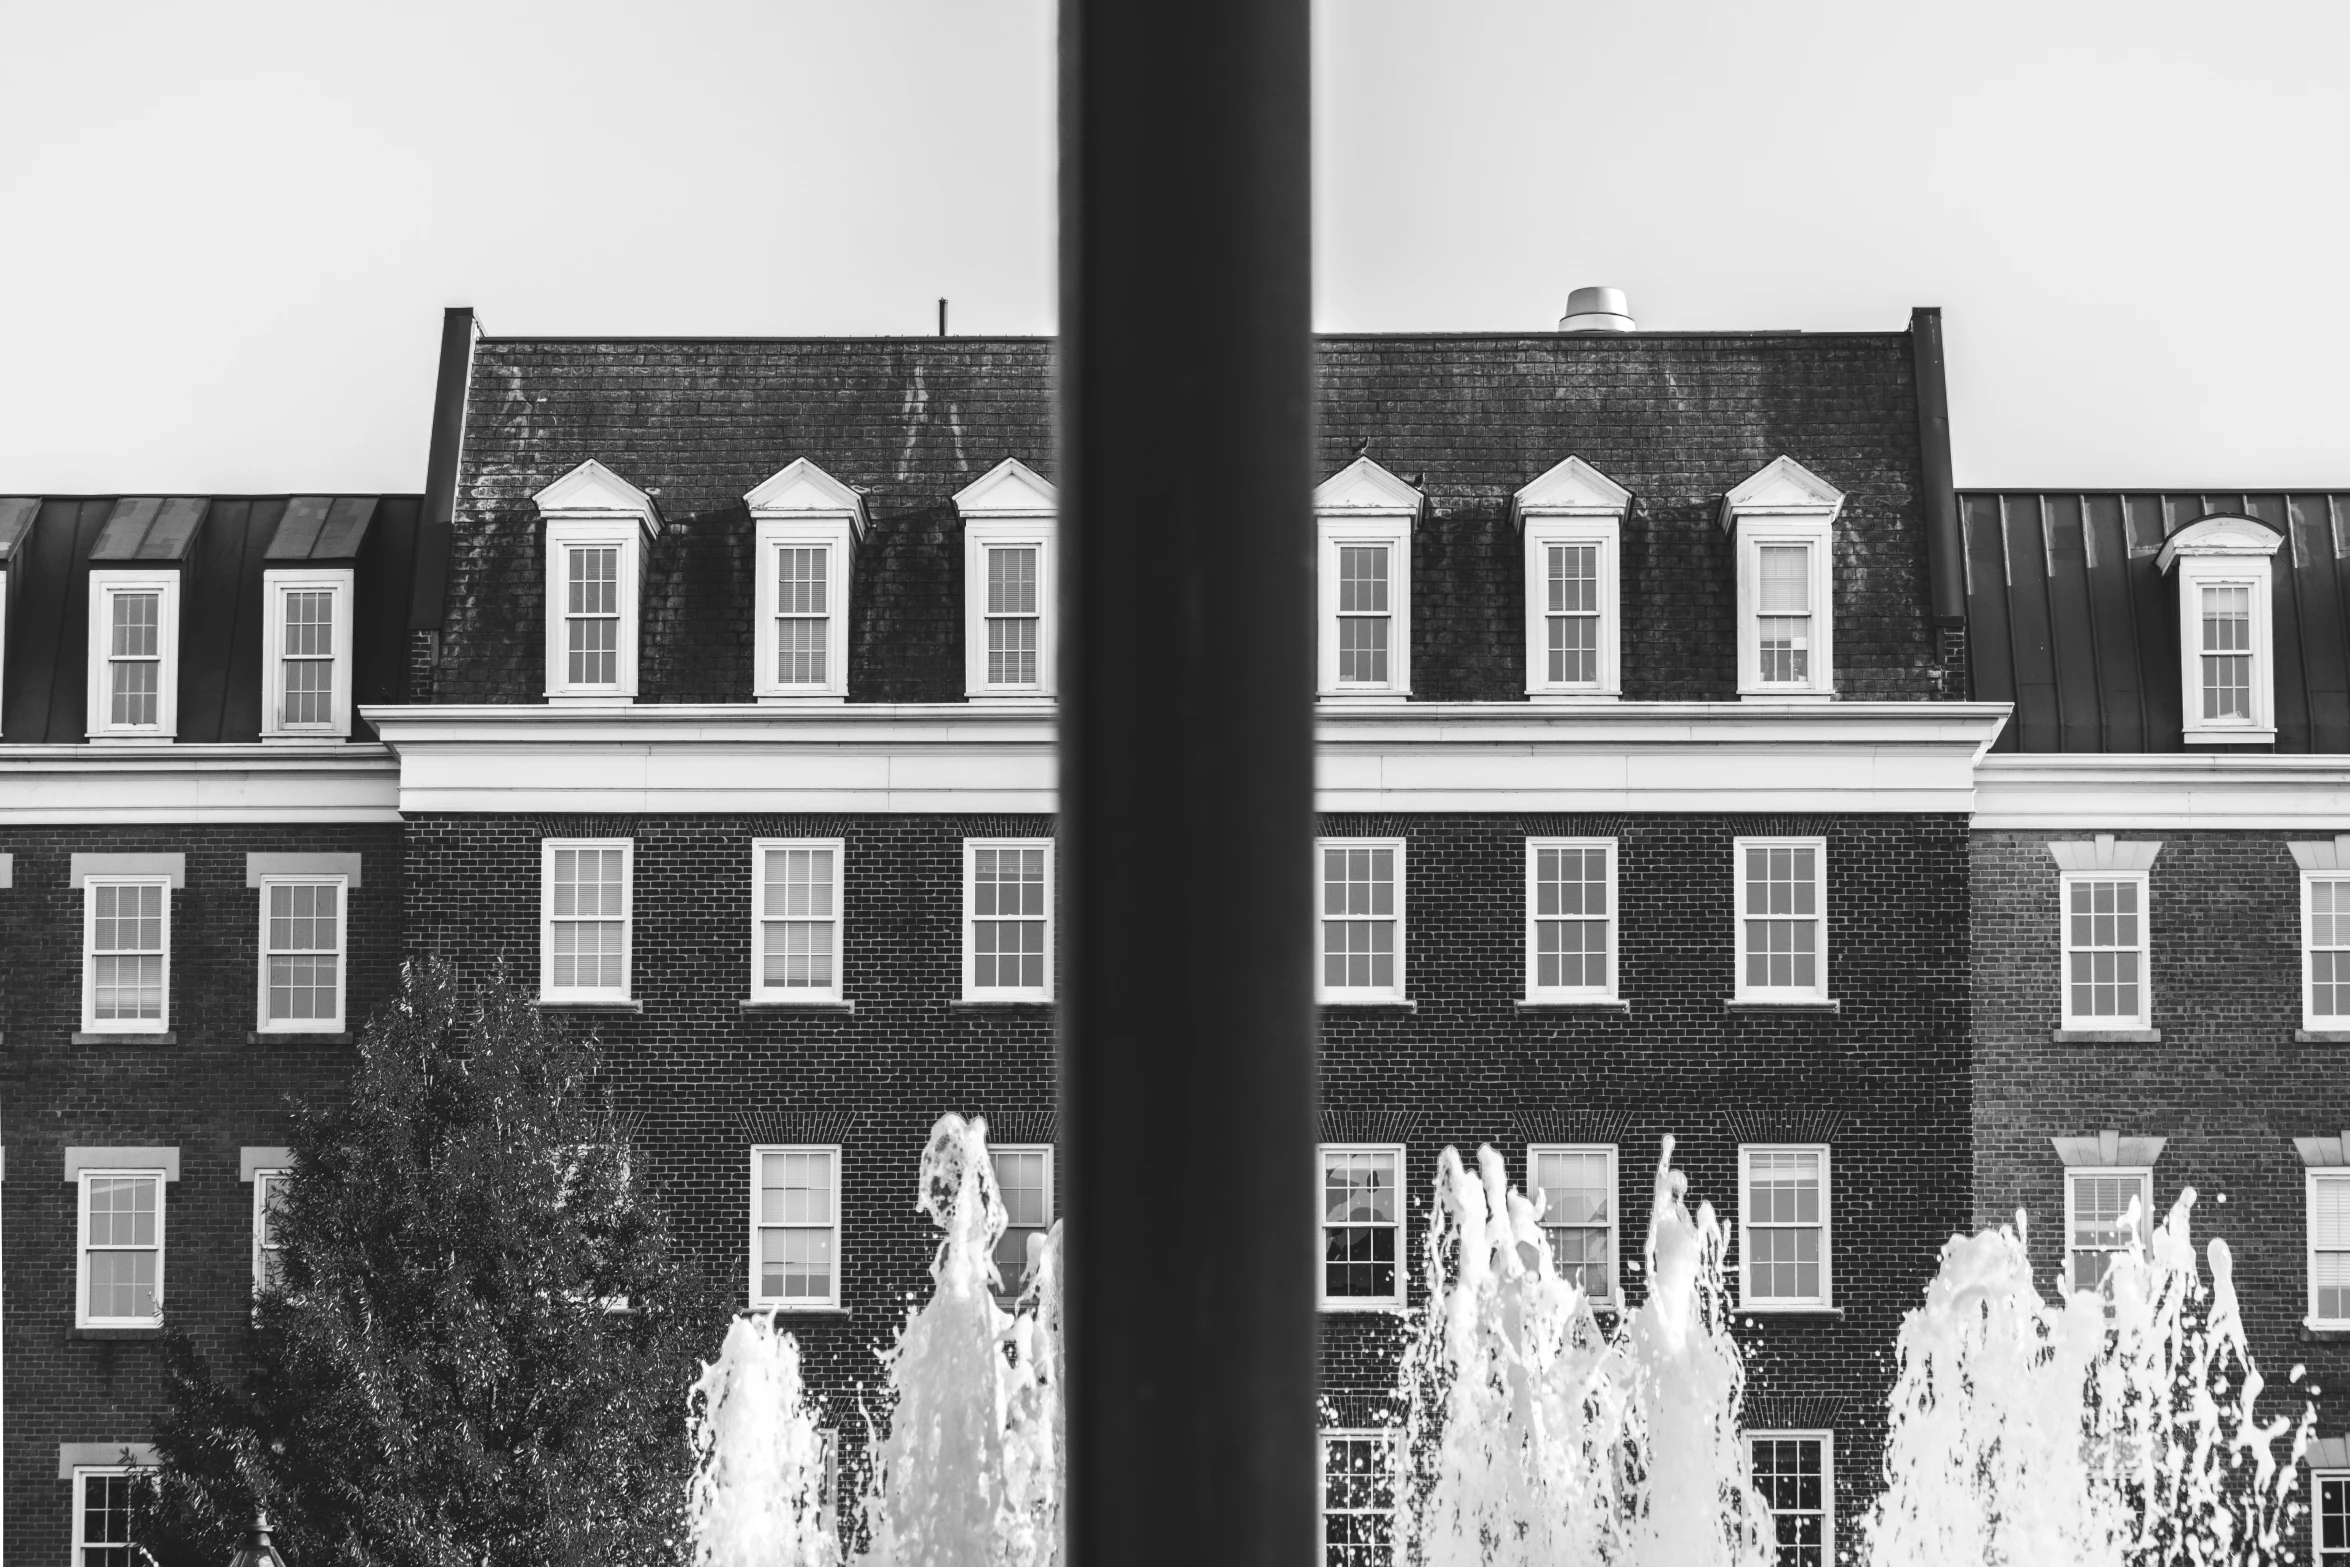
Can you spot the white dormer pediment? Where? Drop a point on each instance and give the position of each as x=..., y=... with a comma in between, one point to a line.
x=804, y=490
x=1363, y=488
x=2237, y=536
x=1784, y=488
x=592, y=490
x=1010, y=489
x=1572, y=489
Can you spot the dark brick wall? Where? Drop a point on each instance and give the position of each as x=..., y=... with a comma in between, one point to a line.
x=2228, y=1086
x=1678, y=420
x=208, y=1095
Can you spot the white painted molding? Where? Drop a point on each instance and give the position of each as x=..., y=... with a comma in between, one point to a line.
x=260, y=865
x=2109, y=1149
x=2231, y=535
x=85, y=866
x=593, y=491
x=1396, y=756
x=1010, y=489
x=801, y=490
x=1363, y=488
x=250, y=1160
x=2168, y=792
x=7, y=871
x=2331, y=856
x=1783, y=487
x=1571, y=489
x=2103, y=853
x=166, y=1160
x=2322, y=1153
x=2327, y=1452
x=104, y=1455
x=43, y=785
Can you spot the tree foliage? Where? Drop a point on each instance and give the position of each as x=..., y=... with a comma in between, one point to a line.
x=478, y=1348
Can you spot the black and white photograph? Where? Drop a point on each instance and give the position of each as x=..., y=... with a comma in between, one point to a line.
x=1292, y=783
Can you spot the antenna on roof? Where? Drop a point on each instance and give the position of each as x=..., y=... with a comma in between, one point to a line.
x=942, y=318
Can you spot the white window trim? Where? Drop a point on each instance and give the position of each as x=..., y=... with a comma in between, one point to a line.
x=547, y=990
x=1792, y=995
x=166, y=586
x=2311, y=1018
x=1574, y=503
x=1827, y=1441
x=563, y=536
x=1826, y=1299
x=2210, y=552
x=803, y=507
x=91, y=1022
x=1364, y=995
x=840, y=1246
x=2310, y=1180
x=1535, y=990
x=1403, y=1251
x=86, y=1472
x=1785, y=503
x=2317, y=1479
x=972, y=991
x=1009, y=505
x=308, y=1025
x=2144, y=1017
x=276, y=584
x=1389, y=1437
x=2144, y=1172
x=1614, y=1300
x=1011, y=1286
x=261, y=1177
x=760, y=990
x=1364, y=504
x=81, y=1245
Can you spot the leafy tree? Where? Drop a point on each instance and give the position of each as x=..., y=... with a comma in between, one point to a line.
x=478, y=1347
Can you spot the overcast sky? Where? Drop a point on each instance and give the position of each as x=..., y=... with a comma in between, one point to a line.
x=227, y=230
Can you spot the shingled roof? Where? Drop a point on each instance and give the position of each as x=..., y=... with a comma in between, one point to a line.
x=2070, y=618
x=1678, y=419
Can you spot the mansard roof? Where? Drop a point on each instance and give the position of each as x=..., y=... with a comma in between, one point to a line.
x=2071, y=617
x=1675, y=420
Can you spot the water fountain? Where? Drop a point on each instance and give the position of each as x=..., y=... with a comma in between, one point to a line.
x=2114, y=1426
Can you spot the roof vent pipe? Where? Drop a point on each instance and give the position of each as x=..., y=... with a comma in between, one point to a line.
x=1597, y=310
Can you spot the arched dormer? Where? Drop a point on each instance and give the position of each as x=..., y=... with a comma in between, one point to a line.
x=2227, y=661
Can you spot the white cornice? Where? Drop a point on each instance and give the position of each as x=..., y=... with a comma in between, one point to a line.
x=1010, y=489
x=2224, y=535
x=46, y=785
x=1783, y=487
x=2167, y=792
x=594, y=492
x=1866, y=757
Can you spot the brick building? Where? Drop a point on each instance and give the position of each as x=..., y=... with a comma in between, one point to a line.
x=722, y=706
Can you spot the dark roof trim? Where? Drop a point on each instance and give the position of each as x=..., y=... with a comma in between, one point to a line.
x=16, y=520
x=149, y=529
x=321, y=528
x=1945, y=549
x=435, y=529
x=1024, y=339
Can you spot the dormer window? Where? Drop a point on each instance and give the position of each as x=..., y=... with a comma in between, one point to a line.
x=2227, y=675
x=306, y=655
x=597, y=527
x=807, y=527
x=1572, y=521
x=136, y=570
x=1364, y=517
x=1782, y=525
x=1009, y=573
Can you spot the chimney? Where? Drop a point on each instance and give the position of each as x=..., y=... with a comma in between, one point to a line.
x=1597, y=310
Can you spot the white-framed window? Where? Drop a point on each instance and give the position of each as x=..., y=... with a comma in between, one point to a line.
x=126, y=954
x=2329, y=1518
x=1572, y=520
x=120, y=1280
x=795, y=920
x=2227, y=674
x=1782, y=919
x=1575, y=1185
x=302, y=925
x=2325, y=952
x=1362, y=919
x=1024, y=1180
x=2099, y=1223
x=795, y=1227
x=1007, y=919
x=1364, y=518
x=306, y=654
x=269, y=1195
x=1570, y=919
x=597, y=527
x=586, y=902
x=1783, y=520
x=2329, y=1248
x=1795, y=1472
x=134, y=655
x=1009, y=581
x=807, y=525
x=1358, y=1498
x=1362, y=1226
x=1783, y=1227
x=103, y=1532
x=2105, y=950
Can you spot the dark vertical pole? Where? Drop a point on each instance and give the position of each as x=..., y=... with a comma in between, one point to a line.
x=1187, y=1075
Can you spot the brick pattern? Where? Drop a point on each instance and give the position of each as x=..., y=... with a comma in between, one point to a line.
x=208, y=1095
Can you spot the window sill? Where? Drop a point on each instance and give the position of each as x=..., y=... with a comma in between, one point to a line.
x=2106, y=1036
x=125, y=1036
x=322, y=737
x=1035, y=699
x=2311, y=1333
x=1782, y=1313
x=1369, y=1003
x=2229, y=737
x=590, y=699
x=1360, y=1308
x=1572, y=1004
x=802, y=698
x=1006, y=1005
x=147, y=739
x=788, y=1309
x=544, y=1005
x=1750, y=1004
x=1574, y=698
x=1806, y=697
x=2321, y=1036
x=106, y=1334
x=295, y=1036
x=756, y=1005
